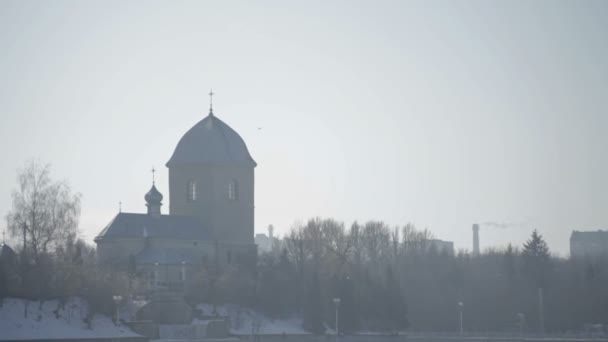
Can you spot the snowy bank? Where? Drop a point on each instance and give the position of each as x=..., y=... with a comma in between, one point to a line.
x=47, y=320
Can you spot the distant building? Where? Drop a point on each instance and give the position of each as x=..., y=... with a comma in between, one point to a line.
x=589, y=244
x=428, y=245
x=265, y=242
x=440, y=246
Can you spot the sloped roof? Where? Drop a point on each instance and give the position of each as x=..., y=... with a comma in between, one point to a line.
x=130, y=225
x=211, y=141
x=7, y=253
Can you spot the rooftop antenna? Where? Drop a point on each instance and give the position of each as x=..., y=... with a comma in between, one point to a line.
x=153, y=171
x=3, y=238
x=120, y=207
x=211, y=93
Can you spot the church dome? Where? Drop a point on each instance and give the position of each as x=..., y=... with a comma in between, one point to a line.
x=211, y=141
x=153, y=196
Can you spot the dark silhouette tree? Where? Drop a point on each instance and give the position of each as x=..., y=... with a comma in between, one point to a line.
x=394, y=303
x=313, y=307
x=537, y=259
x=537, y=264
x=349, y=318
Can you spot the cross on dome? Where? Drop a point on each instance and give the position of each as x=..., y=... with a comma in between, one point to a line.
x=211, y=93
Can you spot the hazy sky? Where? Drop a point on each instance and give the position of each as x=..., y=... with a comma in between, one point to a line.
x=437, y=113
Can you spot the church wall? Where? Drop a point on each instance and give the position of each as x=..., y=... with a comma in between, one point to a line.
x=233, y=220
x=118, y=250
x=204, y=252
x=230, y=220
x=170, y=272
x=201, y=249
x=179, y=176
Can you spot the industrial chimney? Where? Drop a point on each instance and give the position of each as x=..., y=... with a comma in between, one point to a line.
x=271, y=237
x=475, y=239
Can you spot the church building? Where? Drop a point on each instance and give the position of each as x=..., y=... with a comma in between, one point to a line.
x=211, y=212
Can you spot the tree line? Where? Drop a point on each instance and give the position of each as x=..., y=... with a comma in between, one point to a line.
x=386, y=278
x=394, y=278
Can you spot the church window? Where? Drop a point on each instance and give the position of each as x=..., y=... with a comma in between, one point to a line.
x=233, y=190
x=192, y=191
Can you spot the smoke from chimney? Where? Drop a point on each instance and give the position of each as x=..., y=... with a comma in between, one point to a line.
x=505, y=225
x=475, y=239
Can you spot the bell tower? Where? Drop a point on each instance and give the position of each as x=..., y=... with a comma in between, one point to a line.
x=211, y=177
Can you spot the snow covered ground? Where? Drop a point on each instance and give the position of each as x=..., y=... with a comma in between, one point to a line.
x=49, y=321
x=245, y=321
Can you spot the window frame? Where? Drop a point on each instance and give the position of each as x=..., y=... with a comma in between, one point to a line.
x=233, y=190
x=191, y=191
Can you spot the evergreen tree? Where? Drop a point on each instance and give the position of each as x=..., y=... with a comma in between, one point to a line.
x=536, y=258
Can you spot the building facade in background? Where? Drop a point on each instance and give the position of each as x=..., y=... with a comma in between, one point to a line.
x=589, y=244
x=440, y=246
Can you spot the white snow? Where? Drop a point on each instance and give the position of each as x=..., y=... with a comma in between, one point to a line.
x=42, y=322
x=245, y=321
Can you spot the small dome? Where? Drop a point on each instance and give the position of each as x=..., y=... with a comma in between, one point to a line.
x=153, y=196
x=211, y=141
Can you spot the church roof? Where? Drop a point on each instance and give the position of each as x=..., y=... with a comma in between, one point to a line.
x=6, y=252
x=129, y=225
x=211, y=141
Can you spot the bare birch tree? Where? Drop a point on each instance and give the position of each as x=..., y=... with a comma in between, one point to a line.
x=44, y=213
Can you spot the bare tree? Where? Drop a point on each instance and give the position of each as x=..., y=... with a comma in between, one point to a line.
x=45, y=212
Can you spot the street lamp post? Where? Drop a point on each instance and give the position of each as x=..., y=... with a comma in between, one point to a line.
x=156, y=264
x=183, y=276
x=117, y=300
x=522, y=322
x=541, y=311
x=460, y=314
x=337, y=305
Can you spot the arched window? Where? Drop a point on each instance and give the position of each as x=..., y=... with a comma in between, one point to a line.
x=191, y=190
x=233, y=190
